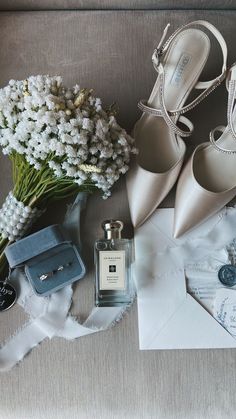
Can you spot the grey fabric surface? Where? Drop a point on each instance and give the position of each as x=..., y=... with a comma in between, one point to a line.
x=105, y=376
x=118, y=66
x=115, y=4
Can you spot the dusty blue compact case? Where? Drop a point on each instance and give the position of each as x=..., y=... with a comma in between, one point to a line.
x=49, y=258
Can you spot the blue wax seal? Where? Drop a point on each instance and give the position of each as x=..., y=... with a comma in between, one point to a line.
x=227, y=275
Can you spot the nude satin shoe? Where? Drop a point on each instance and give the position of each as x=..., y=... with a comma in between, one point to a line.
x=208, y=181
x=178, y=62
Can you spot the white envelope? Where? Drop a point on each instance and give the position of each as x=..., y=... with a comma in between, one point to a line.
x=169, y=318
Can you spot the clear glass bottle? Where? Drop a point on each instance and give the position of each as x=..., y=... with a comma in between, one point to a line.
x=113, y=258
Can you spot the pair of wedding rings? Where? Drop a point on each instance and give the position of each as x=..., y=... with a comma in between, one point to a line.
x=48, y=275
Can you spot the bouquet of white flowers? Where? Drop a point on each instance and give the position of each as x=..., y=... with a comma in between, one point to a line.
x=60, y=141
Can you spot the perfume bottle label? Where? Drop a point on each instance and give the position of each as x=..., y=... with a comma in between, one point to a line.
x=112, y=270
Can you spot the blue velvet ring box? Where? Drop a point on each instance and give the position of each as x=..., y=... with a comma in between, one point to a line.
x=49, y=258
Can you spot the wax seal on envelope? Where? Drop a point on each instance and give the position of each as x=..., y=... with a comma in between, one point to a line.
x=227, y=275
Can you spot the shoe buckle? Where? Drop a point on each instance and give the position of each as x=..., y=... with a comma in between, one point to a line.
x=158, y=52
x=156, y=56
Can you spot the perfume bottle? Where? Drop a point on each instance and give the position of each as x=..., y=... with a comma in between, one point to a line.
x=113, y=257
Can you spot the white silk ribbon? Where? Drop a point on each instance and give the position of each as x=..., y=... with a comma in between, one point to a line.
x=49, y=316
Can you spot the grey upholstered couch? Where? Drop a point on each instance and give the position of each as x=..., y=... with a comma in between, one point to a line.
x=108, y=45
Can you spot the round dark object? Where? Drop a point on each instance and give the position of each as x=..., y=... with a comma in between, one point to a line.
x=227, y=275
x=7, y=296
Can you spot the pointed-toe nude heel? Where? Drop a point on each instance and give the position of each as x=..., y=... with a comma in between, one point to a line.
x=208, y=181
x=179, y=63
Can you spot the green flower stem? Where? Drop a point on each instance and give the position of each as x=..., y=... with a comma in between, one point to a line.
x=3, y=242
x=3, y=262
x=37, y=188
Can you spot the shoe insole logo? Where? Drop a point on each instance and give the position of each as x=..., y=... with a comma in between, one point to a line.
x=180, y=69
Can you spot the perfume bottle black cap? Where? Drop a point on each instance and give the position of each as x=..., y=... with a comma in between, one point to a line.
x=112, y=229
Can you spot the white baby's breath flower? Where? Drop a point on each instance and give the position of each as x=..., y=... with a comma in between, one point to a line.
x=37, y=166
x=66, y=129
x=71, y=171
x=98, y=104
x=88, y=124
x=79, y=181
x=70, y=151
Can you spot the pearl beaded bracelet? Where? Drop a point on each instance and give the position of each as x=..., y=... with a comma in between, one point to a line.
x=16, y=218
